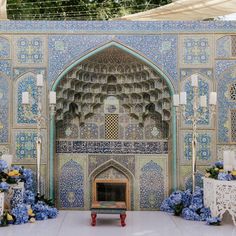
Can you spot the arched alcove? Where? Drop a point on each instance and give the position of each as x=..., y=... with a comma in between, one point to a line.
x=142, y=89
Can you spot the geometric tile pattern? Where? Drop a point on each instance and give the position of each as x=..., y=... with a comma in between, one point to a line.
x=4, y=110
x=5, y=67
x=25, y=146
x=112, y=147
x=196, y=50
x=26, y=114
x=4, y=150
x=225, y=95
x=111, y=126
x=4, y=48
x=233, y=125
x=71, y=185
x=198, y=181
x=151, y=186
x=223, y=49
x=29, y=50
x=232, y=91
x=134, y=132
x=204, y=147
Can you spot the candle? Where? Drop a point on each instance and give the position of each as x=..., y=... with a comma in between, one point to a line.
x=203, y=101
x=213, y=98
x=25, y=98
x=176, y=100
x=194, y=79
x=52, y=98
x=39, y=80
x=227, y=154
x=183, y=98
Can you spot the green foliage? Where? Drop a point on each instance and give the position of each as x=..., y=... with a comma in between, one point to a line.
x=77, y=9
x=42, y=198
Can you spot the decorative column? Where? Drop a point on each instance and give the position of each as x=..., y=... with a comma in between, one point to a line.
x=198, y=102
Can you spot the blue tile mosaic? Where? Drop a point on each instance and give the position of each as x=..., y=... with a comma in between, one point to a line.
x=112, y=147
x=17, y=72
x=198, y=181
x=71, y=185
x=224, y=103
x=223, y=47
x=151, y=186
x=4, y=107
x=29, y=50
x=5, y=67
x=203, y=146
x=117, y=26
x=196, y=50
x=26, y=115
x=4, y=48
x=223, y=65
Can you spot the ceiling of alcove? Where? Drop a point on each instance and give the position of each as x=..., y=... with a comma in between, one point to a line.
x=113, y=72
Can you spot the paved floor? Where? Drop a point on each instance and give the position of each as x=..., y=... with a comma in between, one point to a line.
x=139, y=223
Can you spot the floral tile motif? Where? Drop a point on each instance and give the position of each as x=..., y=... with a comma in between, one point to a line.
x=4, y=48
x=224, y=103
x=4, y=150
x=29, y=50
x=204, y=147
x=4, y=107
x=25, y=146
x=223, y=47
x=189, y=181
x=5, y=67
x=133, y=132
x=89, y=131
x=151, y=186
x=196, y=50
x=17, y=72
x=26, y=115
x=71, y=185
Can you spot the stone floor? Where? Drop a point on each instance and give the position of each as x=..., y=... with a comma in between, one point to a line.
x=70, y=223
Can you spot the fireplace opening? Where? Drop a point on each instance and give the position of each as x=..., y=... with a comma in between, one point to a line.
x=111, y=192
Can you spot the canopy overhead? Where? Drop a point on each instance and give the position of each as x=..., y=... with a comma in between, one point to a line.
x=186, y=10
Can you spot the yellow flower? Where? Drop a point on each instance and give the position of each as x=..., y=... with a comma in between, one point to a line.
x=207, y=175
x=14, y=173
x=32, y=220
x=216, y=168
x=9, y=217
x=30, y=212
x=233, y=172
x=221, y=170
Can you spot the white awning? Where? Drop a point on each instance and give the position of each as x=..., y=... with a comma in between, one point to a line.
x=186, y=10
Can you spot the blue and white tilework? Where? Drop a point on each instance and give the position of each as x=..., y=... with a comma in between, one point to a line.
x=196, y=51
x=151, y=186
x=4, y=107
x=189, y=181
x=223, y=47
x=17, y=72
x=4, y=48
x=222, y=66
x=17, y=197
x=225, y=104
x=25, y=146
x=134, y=132
x=26, y=115
x=89, y=131
x=204, y=87
x=112, y=147
x=71, y=185
x=204, y=147
x=29, y=50
x=5, y=67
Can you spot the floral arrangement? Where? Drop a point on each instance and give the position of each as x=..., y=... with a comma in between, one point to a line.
x=216, y=171
x=33, y=207
x=189, y=205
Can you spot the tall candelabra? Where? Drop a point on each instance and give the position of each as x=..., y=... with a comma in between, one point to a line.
x=40, y=118
x=199, y=106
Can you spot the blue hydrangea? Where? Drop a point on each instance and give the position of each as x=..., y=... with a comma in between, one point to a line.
x=29, y=197
x=205, y=213
x=186, y=198
x=167, y=206
x=176, y=198
x=41, y=216
x=4, y=186
x=189, y=214
x=20, y=213
x=219, y=164
x=225, y=176
x=213, y=221
x=3, y=165
x=28, y=178
x=52, y=212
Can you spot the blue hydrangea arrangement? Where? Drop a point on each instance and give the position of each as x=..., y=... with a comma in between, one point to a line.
x=33, y=208
x=188, y=205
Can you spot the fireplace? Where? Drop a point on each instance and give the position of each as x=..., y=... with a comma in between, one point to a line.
x=111, y=190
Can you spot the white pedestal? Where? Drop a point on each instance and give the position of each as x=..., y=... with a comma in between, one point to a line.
x=1, y=203
x=220, y=196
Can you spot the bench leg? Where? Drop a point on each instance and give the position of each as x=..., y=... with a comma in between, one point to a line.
x=93, y=216
x=122, y=219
